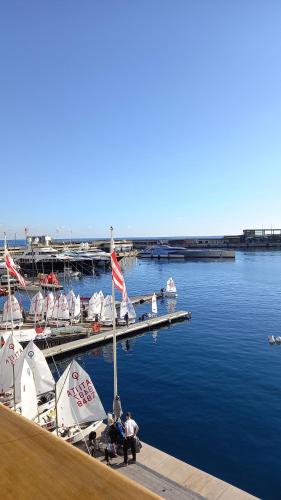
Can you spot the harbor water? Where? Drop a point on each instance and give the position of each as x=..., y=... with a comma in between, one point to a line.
x=207, y=391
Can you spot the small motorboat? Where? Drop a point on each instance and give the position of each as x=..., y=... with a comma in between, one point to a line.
x=271, y=339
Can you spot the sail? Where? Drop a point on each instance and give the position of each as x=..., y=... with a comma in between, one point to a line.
x=77, y=307
x=16, y=310
x=43, y=378
x=126, y=306
x=154, y=304
x=63, y=308
x=107, y=309
x=171, y=286
x=28, y=392
x=36, y=305
x=71, y=299
x=48, y=306
x=77, y=399
x=91, y=307
x=54, y=314
x=101, y=296
x=10, y=354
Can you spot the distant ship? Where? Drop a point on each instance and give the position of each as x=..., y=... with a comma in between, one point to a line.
x=170, y=252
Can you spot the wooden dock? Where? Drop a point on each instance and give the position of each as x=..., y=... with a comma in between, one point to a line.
x=107, y=336
x=171, y=478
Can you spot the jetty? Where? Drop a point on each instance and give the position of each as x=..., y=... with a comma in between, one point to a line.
x=107, y=336
x=63, y=470
x=171, y=478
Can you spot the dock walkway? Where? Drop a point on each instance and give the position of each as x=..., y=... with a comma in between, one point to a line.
x=171, y=478
x=101, y=338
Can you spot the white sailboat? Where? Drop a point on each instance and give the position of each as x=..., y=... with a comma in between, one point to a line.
x=42, y=379
x=60, y=313
x=79, y=409
x=36, y=306
x=95, y=306
x=154, y=304
x=71, y=299
x=107, y=311
x=171, y=289
x=48, y=305
x=11, y=313
x=75, y=312
x=9, y=356
x=126, y=307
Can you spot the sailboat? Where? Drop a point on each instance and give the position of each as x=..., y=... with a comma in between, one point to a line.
x=154, y=304
x=106, y=317
x=41, y=384
x=171, y=289
x=95, y=306
x=78, y=406
x=36, y=307
x=75, y=311
x=126, y=307
x=60, y=313
x=11, y=313
x=9, y=356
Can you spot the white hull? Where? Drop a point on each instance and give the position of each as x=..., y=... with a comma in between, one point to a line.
x=76, y=434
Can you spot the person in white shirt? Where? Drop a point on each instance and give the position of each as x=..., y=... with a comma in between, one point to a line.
x=131, y=430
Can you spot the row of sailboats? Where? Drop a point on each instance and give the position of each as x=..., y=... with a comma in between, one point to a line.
x=71, y=407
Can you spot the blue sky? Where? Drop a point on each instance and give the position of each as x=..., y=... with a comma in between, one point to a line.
x=159, y=117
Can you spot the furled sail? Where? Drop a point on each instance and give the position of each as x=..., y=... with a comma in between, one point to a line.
x=154, y=304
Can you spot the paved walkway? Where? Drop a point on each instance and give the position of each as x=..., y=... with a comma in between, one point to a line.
x=172, y=479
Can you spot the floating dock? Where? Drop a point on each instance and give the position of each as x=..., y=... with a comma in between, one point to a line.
x=107, y=336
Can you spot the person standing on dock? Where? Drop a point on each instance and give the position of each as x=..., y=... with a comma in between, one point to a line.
x=131, y=430
x=126, y=318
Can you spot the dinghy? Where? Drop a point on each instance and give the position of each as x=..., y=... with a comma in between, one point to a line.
x=36, y=307
x=11, y=312
x=271, y=339
x=60, y=314
x=107, y=311
x=79, y=409
x=126, y=307
x=171, y=290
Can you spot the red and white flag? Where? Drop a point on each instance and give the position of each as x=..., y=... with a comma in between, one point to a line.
x=11, y=266
x=117, y=275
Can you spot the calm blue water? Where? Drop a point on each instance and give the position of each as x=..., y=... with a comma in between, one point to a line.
x=206, y=391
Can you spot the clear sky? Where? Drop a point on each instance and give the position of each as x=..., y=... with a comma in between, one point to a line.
x=160, y=117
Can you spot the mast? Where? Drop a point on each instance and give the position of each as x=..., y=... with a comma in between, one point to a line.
x=114, y=323
x=9, y=285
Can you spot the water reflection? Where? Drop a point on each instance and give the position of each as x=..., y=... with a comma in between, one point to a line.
x=154, y=335
x=171, y=305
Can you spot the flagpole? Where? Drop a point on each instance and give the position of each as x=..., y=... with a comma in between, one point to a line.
x=113, y=323
x=9, y=285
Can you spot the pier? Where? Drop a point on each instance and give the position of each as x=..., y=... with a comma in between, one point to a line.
x=107, y=336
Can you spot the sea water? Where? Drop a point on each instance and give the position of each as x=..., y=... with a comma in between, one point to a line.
x=207, y=391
